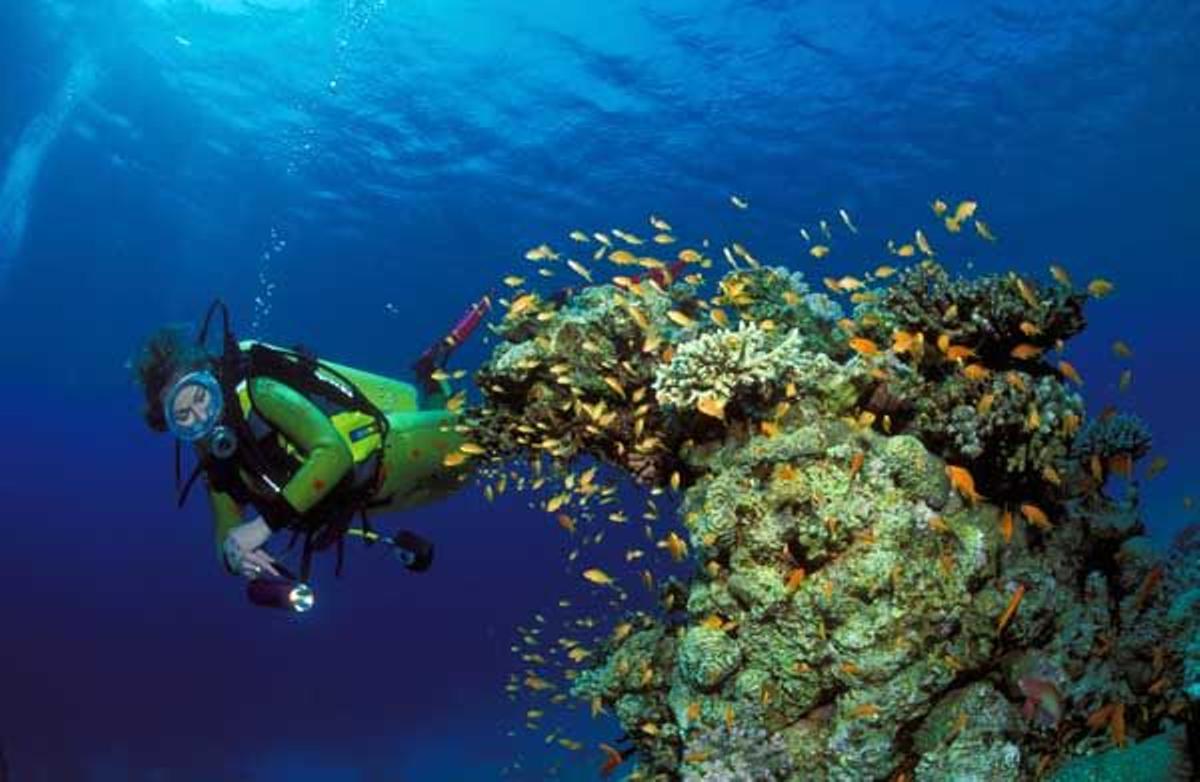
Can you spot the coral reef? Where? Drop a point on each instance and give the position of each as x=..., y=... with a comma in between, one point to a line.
x=903, y=560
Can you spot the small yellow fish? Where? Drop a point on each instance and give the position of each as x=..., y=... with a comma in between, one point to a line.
x=454, y=458
x=818, y=251
x=598, y=576
x=984, y=231
x=579, y=236
x=740, y=203
x=514, y=281
x=522, y=303
x=984, y=405
x=664, y=239
x=939, y=207
x=675, y=546
x=680, y=319
x=659, y=223
x=1069, y=372
x=923, y=243
x=541, y=253
x=1121, y=350
x=964, y=211
x=474, y=449
x=906, y=251
x=711, y=406
x=1060, y=274
x=625, y=236
x=1157, y=465
x=1100, y=287
x=579, y=269
x=842, y=213
x=883, y=272
x=719, y=317
x=952, y=225
x=602, y=238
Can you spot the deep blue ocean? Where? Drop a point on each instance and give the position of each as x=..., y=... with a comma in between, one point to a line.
x=351, y=174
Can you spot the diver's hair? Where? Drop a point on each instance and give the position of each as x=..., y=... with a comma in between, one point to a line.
x=168, y=351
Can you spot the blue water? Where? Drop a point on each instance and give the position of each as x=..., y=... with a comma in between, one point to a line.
x=350, y=174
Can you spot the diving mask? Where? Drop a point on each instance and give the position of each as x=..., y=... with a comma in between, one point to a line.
x=193, y=406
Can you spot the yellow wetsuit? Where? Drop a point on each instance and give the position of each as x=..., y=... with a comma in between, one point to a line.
x=410, y=472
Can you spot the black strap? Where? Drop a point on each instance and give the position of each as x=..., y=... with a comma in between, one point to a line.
x=187, y=487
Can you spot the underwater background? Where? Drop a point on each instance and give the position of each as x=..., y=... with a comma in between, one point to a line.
x=351, y=174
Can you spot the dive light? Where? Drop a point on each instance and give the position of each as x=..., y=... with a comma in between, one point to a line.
x=284, y=591
x=289, y=593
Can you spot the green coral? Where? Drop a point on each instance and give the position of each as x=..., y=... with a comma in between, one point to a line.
x=707, y=657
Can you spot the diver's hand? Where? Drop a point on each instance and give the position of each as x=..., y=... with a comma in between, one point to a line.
x=243, y=549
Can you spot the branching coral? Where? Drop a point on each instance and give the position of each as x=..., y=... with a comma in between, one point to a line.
x=720, y=364
x=1113, y=435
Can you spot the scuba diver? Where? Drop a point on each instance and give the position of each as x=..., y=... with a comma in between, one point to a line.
x=308, y=443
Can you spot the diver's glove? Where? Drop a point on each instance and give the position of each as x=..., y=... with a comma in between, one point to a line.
x=243, y=549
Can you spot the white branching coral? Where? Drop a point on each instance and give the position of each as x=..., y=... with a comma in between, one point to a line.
x=717, y=364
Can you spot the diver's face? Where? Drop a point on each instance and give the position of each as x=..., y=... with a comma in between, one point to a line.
x=191, y=406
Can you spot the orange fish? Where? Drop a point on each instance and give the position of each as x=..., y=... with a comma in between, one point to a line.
x=794, y=579
x=1036, y=516
x=864, y=346
x=1070, y=373
x=613, y=758
x=856, y=463
x=1121, y=464
x=1116, y=726
x=1015, y=380
x=1010, y=609
x=1149, y=583
x=959, y=352
x=962, y=480
x=984, y=405
x=902, y=341
x=1006, y=525
x=864, y=710
x=1025, y=351
x=1101, y=716
x=975, y=372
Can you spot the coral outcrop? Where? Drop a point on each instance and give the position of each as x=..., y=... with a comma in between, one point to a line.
x=905, y=562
